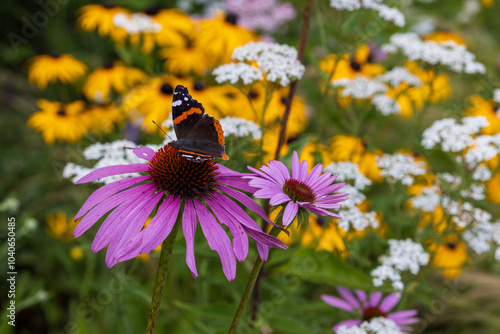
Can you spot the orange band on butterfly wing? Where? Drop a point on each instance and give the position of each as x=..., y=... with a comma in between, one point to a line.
x=185, y=114
x=220, y=133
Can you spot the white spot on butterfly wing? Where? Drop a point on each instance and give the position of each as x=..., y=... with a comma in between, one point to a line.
x=186, y=99
x=176, y=103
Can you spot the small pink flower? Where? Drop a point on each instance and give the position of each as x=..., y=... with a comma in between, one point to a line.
x=369, y=307
x=208, y=192
x=314, y=192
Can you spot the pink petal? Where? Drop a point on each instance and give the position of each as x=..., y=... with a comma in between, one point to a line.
x=291, y=210
x=113, y=170
x=113, y=223
x=132, y=225
x=337, y=302
x=144, y=152
x=389, y=302
x=236, y=182
x=314, y=174
x=330, y=189
x=217, y=239
x=106, y=191
x=295, y=166
x=278, y=199
x=189, y=223
x=402, y=315
x=263, y=251
x=375, y=298
x=102, y=208
x=303, y=169
x=348, y=296
x=361, y=296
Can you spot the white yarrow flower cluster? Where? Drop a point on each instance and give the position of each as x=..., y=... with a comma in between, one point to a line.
x=476, y=192
x=108, y=154
x=455, y=56
x=387, y=13
x=277, y=62
x=403, y=255
x=355, y=218
x=136, y=23
x=398, y=75
x=463, y=214
x=481, y=173
x=235, y=72
x=240, y=127
x=349, y=171
x=360, y=87
x=428, y=199
x=496, y=95
x=400, y=167
x=386, y=105
x=484, y=148
x=451, y=136
x=379, y=325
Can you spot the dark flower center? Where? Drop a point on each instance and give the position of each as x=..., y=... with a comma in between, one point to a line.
x=199, y=85
x=284, y=100
x=55, y=55
x=451, y=245
x=355, y=65
x=108, y=65
x=108, y=6
x=321, y=221
x=152, y=10
x=373, y=312
x=179, y=176
x=61, y=112
x=231, y=18
x=496, y=107
x=298, y=191
x=253, y=95
x=167, y=89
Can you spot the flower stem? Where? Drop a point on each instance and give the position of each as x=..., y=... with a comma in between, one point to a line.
x=250, y=284
x=306, y=22
x=165, y=257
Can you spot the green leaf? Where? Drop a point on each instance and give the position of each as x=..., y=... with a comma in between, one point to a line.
x=325, y=268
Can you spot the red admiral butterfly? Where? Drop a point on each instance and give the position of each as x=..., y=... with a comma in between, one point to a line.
x=199, y=135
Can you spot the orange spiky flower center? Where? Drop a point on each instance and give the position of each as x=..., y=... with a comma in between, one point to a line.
x=298, y=191
x=179, y=176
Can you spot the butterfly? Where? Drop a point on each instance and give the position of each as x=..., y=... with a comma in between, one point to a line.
x=199, y=135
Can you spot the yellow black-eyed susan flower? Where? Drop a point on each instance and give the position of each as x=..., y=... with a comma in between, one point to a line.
x=445, y=36
x=46, y=69
x=186, y=59
x=450, y=256
x=60, y=227
x=62, y=122
x=112, y=76
x=348, y=66
x=488, y=109
x=351, y=148
x=152, y=101
x=103, y=118
x=100, y=17
x=220, y=35
x=175, y=26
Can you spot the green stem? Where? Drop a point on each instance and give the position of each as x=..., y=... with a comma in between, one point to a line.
x=251, y=282
x=161, y=275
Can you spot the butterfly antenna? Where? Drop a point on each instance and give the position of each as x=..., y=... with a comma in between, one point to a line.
x=159, y=127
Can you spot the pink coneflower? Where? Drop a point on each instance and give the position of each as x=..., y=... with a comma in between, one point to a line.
x=203, y=191
x=369, y=307
x=313, y=192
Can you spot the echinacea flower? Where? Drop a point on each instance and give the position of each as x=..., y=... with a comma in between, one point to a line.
x=46, y=69
x=314, y=191
x=367, y=307
x=195, y=191
x=58, y=121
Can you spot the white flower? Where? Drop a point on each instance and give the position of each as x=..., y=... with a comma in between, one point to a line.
x=235, y=72
x=136, y=23
x=450, y=54
x=451, y=136
x=427, y=200
x=386, y=105
x=378, y=325
x=496, y=95
x=360, y=87
x=476, y=192
x=403, y=255
x=352, y=216
x=349, y=171
x=387, y=13
x=481, y=173
x=278, y=62
x=484, y=148
x=399, y=75
x=108, y=154
x=400, y=167
x=240, y=127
